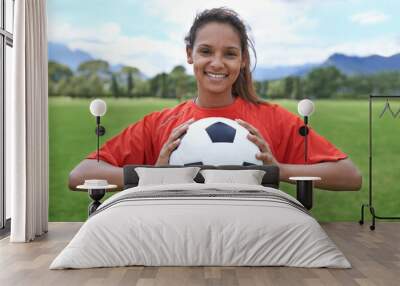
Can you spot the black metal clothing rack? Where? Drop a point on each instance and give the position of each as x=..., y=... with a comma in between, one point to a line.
x=370, y=204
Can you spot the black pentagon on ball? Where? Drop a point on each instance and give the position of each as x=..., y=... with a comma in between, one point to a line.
x=221, y=132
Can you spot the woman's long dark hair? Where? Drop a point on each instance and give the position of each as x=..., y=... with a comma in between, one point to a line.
x=243, y=86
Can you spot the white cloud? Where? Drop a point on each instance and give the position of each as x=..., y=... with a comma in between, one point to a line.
x=369, y=17
x=272, y=22
x=278, y=28
x=107, y=42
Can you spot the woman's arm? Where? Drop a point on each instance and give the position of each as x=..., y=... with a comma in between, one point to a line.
x=342, y=175
x=91, y=169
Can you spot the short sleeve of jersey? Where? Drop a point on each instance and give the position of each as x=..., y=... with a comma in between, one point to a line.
x=290, y=149
x=132, y=146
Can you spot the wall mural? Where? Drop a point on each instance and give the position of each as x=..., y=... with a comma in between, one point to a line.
x=132, y=55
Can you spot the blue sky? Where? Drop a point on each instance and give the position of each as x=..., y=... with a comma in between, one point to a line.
x=149, y=34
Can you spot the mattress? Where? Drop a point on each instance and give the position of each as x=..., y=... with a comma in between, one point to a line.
x=201, y=225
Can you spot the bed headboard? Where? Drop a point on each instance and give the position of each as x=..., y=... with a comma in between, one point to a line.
x=270, y=179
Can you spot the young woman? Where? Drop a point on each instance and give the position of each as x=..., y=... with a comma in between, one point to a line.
x=218, y=48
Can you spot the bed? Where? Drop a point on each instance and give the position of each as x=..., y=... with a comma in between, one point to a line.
x=202, y=222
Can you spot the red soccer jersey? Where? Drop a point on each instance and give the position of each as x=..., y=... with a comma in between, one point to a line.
x=141, y=142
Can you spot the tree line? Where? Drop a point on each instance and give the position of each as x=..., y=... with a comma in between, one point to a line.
x=95, y=78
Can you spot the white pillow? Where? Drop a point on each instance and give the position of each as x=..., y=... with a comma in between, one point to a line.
x=163, y=176
x=249, y=177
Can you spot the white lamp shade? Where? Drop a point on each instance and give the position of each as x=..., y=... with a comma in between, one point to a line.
x=305, y=107
x=98, y=107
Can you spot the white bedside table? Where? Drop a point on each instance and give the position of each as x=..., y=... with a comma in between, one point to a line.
x=96, y=190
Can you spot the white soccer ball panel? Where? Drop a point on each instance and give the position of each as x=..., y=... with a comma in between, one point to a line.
x=197, y=146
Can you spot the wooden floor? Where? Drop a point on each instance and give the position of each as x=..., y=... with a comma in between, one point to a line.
x=374, y=255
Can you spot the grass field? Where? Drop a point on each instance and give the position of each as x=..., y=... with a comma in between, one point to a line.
x=345, y=123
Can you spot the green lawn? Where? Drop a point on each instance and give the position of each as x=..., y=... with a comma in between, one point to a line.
x=345, y=123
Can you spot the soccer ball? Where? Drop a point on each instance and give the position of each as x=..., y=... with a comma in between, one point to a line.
x=215, y=141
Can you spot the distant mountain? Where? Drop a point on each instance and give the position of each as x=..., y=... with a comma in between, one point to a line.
x=281, y=71
x=352, y=65
x=349, y=65
x=73, y=58
x=63, y=55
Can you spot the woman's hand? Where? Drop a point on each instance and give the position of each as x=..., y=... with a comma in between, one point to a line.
x=172, y=143
x=255, y=136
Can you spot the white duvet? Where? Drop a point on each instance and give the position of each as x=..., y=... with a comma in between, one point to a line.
x=205, y=230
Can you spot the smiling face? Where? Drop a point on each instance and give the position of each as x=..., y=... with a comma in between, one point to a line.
x=217, y=58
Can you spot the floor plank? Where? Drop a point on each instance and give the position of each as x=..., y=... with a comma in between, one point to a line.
x=374, y=255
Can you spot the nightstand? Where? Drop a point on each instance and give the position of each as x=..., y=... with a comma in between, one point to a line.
x=96, y=190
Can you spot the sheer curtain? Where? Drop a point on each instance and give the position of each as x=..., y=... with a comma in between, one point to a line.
x=27, y=124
